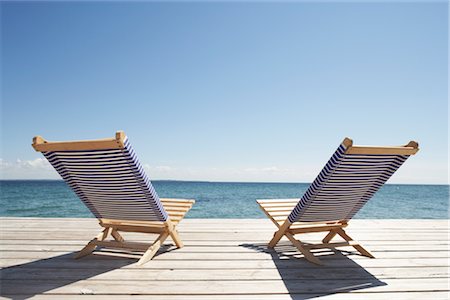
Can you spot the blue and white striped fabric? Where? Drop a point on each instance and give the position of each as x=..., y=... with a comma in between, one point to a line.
x=110, y=182
x=344, y=185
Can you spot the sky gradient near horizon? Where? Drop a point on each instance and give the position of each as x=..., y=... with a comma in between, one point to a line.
x=226, y=91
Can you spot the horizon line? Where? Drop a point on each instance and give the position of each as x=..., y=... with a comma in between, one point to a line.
x=213, y=181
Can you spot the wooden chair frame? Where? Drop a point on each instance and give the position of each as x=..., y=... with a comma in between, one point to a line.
x=274, y=209
x=278, y=210
x=175, y=208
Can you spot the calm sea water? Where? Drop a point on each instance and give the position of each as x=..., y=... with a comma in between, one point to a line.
x=45, y=198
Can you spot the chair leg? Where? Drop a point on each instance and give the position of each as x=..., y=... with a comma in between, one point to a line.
x=176, y=238
x=116, y=235
x=151, y=251
x=299, y=245
x=276, y=238
x=279, y=234
x=90, y=247
x=358, y=247
x=329, y=236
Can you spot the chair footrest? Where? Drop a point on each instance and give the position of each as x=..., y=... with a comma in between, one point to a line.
x=177, y=208
x=330, y=245
x=315, y=228
x=123, y=245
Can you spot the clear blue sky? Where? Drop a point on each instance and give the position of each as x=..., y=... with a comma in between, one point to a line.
x=227, y=91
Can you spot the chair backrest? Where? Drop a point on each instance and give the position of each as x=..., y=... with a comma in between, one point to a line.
x=349, y=179
x=107, y=177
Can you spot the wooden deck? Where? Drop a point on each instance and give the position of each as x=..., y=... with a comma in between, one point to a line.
x=225, y=259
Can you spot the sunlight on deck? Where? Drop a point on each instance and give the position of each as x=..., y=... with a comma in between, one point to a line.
x=225, y=259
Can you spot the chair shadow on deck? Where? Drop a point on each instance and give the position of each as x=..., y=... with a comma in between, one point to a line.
x=304, y=280
x=26, y=280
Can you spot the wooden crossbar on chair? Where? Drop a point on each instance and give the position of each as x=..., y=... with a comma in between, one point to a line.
x=349, y=179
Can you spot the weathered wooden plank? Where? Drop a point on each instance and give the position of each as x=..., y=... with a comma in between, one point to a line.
x=369, y=224
x=255, y=255
x=219, y=243
x=59, y=246
x=225, y=236
x=36, y=273
x=103, y=260
x=258, y=222
x=259, y=232
x=337, y=296
x=236, y=287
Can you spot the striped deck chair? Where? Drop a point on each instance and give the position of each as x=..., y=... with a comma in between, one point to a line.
x=349, y=179
x=108, y=178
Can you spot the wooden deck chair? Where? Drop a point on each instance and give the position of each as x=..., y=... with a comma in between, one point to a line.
x=349, y=179
x=108, y=178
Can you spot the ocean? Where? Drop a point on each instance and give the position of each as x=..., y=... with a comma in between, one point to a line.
x=53, y=198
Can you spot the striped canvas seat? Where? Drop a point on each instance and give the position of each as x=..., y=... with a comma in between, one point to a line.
x=349, y=179
x=109, y=179
x=110, y=182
